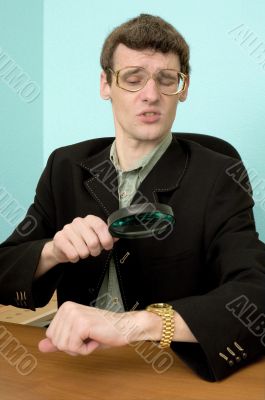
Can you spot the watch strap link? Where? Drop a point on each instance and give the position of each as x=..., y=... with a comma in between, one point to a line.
x=167, y=315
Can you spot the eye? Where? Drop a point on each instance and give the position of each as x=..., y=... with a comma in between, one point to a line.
x=167, y=78
x=167, y=81
x=133, y=79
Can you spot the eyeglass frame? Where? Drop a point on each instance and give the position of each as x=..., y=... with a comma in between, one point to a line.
x=151, y=76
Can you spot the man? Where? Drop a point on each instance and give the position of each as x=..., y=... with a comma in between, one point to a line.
x=210, y=267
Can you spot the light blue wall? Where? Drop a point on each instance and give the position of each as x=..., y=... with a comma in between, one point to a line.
x=21, y=143
x=226, y=96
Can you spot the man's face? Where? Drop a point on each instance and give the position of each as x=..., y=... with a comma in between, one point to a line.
x=145, y=115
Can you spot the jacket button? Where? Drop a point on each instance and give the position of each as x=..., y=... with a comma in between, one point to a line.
x=231, y=363
x=91, y=290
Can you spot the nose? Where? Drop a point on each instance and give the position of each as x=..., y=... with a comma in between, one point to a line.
x=150, y=91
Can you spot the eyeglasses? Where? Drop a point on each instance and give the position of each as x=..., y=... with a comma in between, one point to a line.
x=168, y=81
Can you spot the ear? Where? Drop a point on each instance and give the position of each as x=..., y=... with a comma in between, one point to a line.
x=104, y=86
x=183, y=96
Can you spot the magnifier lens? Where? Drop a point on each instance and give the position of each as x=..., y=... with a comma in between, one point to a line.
x=140, y=220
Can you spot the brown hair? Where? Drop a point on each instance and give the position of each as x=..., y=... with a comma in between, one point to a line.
x=145, y=32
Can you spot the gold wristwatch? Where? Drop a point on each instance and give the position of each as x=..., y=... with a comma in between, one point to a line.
x=167, y=313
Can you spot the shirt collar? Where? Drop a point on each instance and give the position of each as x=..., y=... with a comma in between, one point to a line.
x=146, y=162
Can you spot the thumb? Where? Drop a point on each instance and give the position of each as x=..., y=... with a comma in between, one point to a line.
x=46, y=346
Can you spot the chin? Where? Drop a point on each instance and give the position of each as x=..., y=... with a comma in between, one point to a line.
x=150, y=135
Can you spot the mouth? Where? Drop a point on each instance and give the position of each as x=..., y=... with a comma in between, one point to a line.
x=149, y=113
x=149, y=116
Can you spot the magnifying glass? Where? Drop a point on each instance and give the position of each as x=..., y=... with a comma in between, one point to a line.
x=140, y=220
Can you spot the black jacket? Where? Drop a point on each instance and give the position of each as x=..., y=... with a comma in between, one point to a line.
x=211, y=267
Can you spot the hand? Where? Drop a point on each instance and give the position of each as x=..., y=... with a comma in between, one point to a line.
x=78, y=329
x=81, y=238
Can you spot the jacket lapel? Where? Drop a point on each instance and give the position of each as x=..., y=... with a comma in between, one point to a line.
x=166, y=176
x=102, y=183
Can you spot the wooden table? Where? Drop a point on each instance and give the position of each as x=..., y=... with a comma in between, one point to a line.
x=39, y=317
x=116, y=373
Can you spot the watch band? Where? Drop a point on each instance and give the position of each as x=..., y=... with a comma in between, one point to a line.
x=166, y=312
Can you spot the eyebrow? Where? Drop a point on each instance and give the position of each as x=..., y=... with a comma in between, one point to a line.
x=166, y=73
x=134, y=68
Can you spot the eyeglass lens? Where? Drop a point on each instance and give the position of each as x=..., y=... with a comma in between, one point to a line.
x=133, y=79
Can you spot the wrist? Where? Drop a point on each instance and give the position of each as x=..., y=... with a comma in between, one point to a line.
x=148, y=326
x=48, y=255
x=47, y=260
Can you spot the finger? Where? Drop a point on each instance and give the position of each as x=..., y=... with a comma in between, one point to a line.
x=61, y=328
x=46, y=346
x=63, y=249
x=90, y=238
x=88, y=347
x=74, y=236
x=102, y=231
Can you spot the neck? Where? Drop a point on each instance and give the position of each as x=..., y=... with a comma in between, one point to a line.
x=129, y=151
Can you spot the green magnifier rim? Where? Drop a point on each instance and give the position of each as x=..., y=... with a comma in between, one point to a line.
x=140, y=220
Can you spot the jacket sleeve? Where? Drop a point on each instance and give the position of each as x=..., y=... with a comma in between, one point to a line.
x=228, y=321
x=20, y=253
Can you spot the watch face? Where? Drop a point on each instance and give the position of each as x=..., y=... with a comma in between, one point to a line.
x=161, y=305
